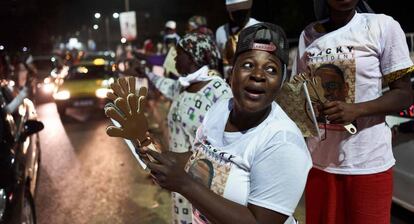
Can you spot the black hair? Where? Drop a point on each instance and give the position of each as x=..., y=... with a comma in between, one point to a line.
x=337, y=70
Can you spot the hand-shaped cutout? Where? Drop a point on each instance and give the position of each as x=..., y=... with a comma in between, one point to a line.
x=122, y=88
x=315, y=88
x=129, y=114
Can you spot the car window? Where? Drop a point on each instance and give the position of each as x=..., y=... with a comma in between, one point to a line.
x=82, y=72
x=6, y=95
x=2, y=129
x=6, y=133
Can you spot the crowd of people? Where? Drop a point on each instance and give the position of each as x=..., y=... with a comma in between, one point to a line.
x=244, y=160
x=234, y=155
x=18, y=72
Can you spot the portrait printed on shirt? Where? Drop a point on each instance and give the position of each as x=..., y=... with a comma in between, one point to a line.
x=210, y=169
x=334, y=71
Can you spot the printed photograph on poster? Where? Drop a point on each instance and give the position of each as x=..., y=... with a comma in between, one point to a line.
x=336, y=80
x=128, y=25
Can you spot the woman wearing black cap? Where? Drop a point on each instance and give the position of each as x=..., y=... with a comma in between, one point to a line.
x=249, y=161
x=351, y=181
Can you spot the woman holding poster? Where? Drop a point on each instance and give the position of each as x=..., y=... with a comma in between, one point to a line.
x=353, y=53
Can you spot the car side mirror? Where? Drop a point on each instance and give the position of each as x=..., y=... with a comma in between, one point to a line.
x=31, y=127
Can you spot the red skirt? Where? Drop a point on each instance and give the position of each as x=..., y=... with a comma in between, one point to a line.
x=348, y=199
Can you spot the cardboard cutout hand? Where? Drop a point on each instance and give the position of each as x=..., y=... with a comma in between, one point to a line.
x=129, y=114
x=316, y=91
x=122, y=88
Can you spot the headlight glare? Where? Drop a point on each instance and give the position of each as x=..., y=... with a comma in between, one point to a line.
x=3, y=200
x=101, y=92
x=62, y=95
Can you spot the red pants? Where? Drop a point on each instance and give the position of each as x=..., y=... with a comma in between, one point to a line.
x=348, y=199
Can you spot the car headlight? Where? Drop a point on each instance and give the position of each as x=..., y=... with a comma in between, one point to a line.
x=108, y=82
x=101, y=92
x=61, y=95
x=3, y=199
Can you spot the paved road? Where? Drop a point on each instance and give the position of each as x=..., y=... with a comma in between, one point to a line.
x=87, y=177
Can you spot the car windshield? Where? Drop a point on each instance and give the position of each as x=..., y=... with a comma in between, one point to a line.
x=89, y=72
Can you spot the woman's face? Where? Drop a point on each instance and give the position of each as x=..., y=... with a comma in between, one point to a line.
x=342, y=5
x=257, y=76
x=183, y=61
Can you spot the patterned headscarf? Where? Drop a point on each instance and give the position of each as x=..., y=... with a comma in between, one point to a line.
x=202, y=49
x=197, y=21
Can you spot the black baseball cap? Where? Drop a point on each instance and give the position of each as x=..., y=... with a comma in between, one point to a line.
x=265, y=37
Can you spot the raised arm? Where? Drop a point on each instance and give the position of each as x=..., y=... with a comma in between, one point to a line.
x=168, y=87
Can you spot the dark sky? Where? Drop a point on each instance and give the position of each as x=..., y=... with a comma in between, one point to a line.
x=34, y=22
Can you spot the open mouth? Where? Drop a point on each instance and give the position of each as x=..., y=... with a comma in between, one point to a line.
x=254, y=92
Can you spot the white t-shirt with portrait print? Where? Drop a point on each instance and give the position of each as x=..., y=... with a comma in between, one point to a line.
x=266, y=166
x=369, y=49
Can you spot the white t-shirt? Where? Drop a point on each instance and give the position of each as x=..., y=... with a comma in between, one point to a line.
x=370, y=48
x=222, y=35
x=266, y=166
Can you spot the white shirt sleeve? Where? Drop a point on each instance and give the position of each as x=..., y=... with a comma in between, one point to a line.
x=299, y=62
x=278, y=176
x=168, y=87
x=394, y=50
x=221, y=38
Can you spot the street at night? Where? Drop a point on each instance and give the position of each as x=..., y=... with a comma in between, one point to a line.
x=88, y=177
x=242, y=111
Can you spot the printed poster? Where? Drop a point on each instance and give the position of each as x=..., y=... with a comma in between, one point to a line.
x=128, y=25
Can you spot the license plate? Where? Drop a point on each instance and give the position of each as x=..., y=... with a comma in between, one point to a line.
x=83, y=103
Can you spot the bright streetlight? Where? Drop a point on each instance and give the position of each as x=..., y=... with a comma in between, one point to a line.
x=106, y=18
x=97, y=15
x=123, y=40
x=1, y=47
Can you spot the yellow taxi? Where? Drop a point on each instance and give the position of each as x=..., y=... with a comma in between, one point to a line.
x=85, y=85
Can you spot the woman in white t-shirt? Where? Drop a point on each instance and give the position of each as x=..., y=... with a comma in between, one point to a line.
x=354, y=54
x=249, y=162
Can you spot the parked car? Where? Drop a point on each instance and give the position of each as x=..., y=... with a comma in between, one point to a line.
x=86, y=85
x=19, y=158
x=402, y=125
